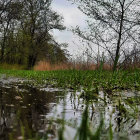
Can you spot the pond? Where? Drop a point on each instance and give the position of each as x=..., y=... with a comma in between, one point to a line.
x=28, y=112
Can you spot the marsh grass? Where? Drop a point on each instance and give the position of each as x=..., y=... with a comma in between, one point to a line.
x=47, y=66
x=75, y=79
x=91, y=82
x=86, y=132
x=83, y=132
x=62, y=128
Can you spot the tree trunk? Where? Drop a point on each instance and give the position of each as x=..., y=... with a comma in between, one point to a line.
x=31, y=61
x=118, y=43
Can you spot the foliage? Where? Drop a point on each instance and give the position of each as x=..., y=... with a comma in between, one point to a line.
x=25, y=32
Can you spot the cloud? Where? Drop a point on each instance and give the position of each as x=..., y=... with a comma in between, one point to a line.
x=72, y=17
x=74, y=45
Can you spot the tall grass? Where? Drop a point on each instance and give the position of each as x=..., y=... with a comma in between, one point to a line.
x=47, y=66
x=75, y=79
x=83, y=132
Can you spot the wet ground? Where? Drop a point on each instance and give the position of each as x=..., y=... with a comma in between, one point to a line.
x=29, y=112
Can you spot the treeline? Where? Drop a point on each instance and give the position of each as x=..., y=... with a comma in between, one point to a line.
x=25, y=36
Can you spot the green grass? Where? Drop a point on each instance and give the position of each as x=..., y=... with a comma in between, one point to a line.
x=88, y=80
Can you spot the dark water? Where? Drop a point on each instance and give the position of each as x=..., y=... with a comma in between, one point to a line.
x=28, y=112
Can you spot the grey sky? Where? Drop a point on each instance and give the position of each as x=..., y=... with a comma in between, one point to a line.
x=72, y=17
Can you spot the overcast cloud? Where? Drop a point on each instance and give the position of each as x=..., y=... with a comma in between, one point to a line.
x=72, y=17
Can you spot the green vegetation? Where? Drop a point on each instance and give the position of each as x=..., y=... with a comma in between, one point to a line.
x=27, y=98
x=25, y=35
x=92, y=81
x=93, y=104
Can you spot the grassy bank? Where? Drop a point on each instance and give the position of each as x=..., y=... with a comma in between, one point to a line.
x=74, y=79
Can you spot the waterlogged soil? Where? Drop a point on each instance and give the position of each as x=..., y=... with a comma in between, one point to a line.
x=29, y=112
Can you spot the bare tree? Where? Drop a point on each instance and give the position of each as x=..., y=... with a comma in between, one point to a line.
x=131, y=58
x=113, y=24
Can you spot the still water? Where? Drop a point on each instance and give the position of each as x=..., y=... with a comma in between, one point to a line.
x=28, y=112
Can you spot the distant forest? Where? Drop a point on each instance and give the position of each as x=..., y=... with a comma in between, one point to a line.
x=25, y=37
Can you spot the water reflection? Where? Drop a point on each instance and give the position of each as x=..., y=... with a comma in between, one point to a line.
x=26, y=108
x=27, y=112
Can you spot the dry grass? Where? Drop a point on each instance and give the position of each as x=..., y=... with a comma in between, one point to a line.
x=107, y=67
x=12, y=66
x=83, y=66
x=130, y=66
x=47, y=66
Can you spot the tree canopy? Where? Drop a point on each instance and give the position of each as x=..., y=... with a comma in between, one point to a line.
x=25, y=27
